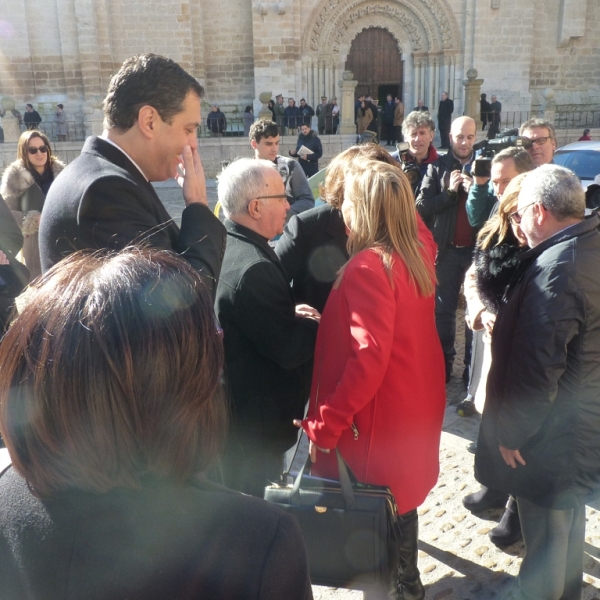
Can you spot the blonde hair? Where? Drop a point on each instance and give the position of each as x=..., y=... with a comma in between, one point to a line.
x=496, y=228
x=332, y=189
x=385, y=219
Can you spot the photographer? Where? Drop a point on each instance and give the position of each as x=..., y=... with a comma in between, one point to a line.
x=418, y=130
x=486, y=191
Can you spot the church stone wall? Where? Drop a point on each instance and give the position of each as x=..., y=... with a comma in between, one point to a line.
x=229, y=57
x=503, y=39
x=566, y=53
x=66, y=50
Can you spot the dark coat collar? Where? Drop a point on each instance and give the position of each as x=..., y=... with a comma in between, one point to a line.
x=587, y=224
x=99, y=147
x=239, y=231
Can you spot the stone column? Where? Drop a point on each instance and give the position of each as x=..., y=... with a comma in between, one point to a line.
x=347, y=86
x=472, y=96
x=10, y=123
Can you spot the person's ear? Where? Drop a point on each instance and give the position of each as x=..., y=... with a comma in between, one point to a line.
x=253, y=144
x=148, y=120
x=254, y=209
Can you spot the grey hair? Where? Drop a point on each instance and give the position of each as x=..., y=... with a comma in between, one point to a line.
x=557, y=189
x=520, y=157
x=416, y=119
x=537, y=122
x=240, y=182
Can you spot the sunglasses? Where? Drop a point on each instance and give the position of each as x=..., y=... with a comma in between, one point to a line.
x=42, y=149
x=539, y=141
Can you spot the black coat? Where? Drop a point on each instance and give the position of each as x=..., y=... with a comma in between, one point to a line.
x=310, y=166
x=445, y=110
x=14, y=276
x=216, y=121
x=268, y=350
x=194, y=540
x=437, y=207
x=312, y=249
x=101, y=200
x=543, y=389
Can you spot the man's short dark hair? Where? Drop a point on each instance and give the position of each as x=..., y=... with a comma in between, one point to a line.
x=263, y=128
x=31, y=106
x=147, y=80
x=520, y=157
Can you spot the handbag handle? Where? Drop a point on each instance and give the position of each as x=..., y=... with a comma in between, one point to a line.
x=346, y=475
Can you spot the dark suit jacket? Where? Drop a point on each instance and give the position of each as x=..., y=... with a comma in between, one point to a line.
x=312, y=249
x=188, y=541
x=268, y=350
x=101, y=200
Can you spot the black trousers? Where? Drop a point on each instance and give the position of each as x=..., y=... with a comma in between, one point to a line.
x=552, y=568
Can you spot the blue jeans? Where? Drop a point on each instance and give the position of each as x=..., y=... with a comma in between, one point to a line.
x=452, y=265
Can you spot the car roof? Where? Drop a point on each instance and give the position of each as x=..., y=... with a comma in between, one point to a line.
x=592, y=145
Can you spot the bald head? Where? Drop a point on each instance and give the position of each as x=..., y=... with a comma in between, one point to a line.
x=463, y=134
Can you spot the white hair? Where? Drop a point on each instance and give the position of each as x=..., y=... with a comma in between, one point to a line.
x=557, y=189
x=240, y=182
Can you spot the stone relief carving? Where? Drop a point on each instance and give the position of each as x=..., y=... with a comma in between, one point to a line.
x=438, y=27
x=400, y=31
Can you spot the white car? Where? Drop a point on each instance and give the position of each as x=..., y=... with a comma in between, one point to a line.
x=583, y=158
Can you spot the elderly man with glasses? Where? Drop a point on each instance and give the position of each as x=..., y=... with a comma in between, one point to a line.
x=269, y=340
x=539, y=433
x=542, y=135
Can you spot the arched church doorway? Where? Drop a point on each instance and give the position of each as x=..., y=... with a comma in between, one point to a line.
x=376, y=63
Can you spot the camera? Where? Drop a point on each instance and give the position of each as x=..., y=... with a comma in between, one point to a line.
x=409, y=165
x=505, y=139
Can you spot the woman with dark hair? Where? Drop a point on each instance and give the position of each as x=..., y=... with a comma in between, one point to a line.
x=378, y=392
x=110, y=409
x=364, y=119
x=25, y=184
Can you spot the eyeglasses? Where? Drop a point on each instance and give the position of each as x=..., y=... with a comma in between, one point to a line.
x=281, y=196
x=42, y=149
x=518, y=214
x=540, y=141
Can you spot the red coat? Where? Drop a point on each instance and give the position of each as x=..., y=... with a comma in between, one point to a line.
x=379, y=365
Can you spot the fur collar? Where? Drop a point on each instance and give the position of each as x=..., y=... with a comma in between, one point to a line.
x=494, y=269
x=16, y=179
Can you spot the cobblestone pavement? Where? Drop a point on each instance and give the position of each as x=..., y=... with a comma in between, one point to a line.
x=456, y=558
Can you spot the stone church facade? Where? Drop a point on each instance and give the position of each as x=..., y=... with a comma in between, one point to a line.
x=526, y=51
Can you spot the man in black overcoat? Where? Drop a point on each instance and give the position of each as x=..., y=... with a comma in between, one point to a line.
x=104, y=198
x=539, y=432
x=269, y=341
x=445, y=110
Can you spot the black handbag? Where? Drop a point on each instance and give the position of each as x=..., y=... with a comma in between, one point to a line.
x=349, y=528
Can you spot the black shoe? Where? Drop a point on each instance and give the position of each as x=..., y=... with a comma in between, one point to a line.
x=466, y=408
x=508, y=531
x=485, y=499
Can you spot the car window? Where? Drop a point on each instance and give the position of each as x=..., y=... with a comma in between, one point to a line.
x=584, y=163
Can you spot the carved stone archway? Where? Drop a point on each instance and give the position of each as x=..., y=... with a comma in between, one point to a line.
x=425, y=30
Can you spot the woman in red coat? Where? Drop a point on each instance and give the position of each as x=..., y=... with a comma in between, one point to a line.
x=378, y=392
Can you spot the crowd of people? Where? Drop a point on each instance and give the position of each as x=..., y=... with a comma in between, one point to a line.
x=150, y=365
